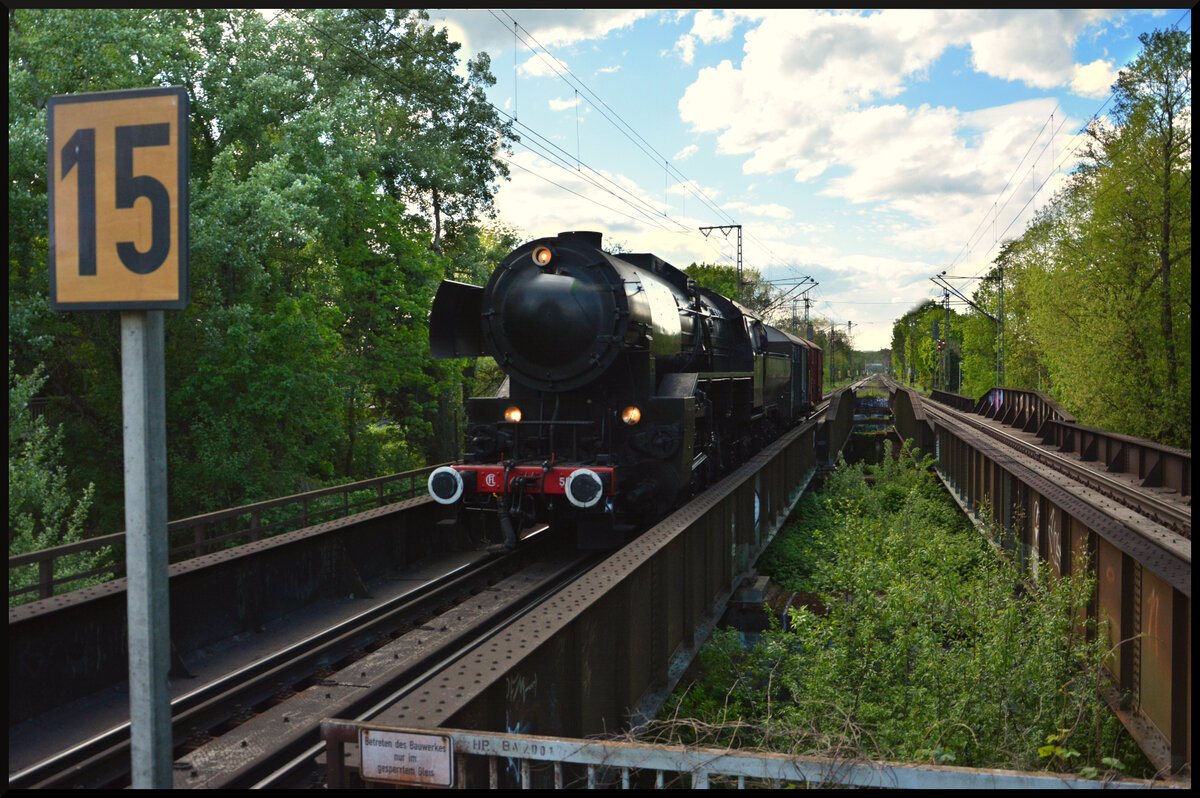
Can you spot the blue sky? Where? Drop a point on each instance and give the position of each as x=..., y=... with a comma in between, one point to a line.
x=866, y=150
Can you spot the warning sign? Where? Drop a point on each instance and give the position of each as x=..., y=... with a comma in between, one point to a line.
x=424, y=760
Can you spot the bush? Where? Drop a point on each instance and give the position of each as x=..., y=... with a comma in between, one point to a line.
x=927, y=644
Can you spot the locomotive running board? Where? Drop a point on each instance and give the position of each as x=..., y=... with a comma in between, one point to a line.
x=455, y=321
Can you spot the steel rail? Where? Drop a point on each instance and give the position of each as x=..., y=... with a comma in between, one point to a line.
x=296, y=763
x=107, y=753
x=1137, y=499
x=1157, y=548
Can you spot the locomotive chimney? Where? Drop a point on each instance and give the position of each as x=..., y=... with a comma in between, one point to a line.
x=587, y=237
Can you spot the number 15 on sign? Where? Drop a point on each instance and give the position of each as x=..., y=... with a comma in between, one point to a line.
x=117, y=167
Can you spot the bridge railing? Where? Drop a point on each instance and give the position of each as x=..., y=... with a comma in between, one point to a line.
x=466, y=759
x=1026, y=410
x=223, y=529
x=955, y=400
x=1154, y=465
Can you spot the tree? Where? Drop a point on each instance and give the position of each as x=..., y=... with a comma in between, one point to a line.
x=756, y=293
x=436, y=133
x=1153, y=106
x=1114, y=285
x=334, y=155
x=1097, y=302
x=914, y=348
x=43, y=511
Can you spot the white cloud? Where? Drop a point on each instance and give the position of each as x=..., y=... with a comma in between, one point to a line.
x=541, y=66
x=1094, y=79
x=770, y=210
x=712, y=26
x=1034, y=47
x=559, y=104
x=686, y=47
x=691, y=187
x=818, y=90
x=686, y=152
x=480, y=30
x=566, y=201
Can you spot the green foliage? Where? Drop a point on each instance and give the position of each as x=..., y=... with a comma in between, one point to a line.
x=756, y=293
x=42, y=510
x=1116, y=287
x=916, y=358
x=1097, y=290
x=915, y=640
x=340, y=167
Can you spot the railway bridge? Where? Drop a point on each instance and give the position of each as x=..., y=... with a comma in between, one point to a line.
x=298, y=622
x=1064, y=496
x=325, y=604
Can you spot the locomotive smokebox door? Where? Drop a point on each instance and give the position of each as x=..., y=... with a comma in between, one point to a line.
x=454, y=321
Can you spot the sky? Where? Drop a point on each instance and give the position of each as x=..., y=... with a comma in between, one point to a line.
x=866, y=151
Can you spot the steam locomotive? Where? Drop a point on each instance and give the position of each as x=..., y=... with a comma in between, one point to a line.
x=629, y=389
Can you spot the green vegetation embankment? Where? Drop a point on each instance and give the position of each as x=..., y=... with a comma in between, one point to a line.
x=908, y=637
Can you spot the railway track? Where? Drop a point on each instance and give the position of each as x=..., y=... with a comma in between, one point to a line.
x=1133, y=516
x=257, y=724
x=272, y=706
x=1165, y=509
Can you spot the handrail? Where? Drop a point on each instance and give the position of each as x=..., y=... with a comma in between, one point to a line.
x=955, y=400
x=1154, y=465
x=208, y=536
x=1026, y=410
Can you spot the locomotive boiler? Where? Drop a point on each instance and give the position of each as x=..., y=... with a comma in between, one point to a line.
x=628, y=389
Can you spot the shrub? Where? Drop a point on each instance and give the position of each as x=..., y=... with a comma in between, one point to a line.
x=931, y=645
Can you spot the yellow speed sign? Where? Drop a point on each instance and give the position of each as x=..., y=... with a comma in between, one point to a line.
x=117, y=166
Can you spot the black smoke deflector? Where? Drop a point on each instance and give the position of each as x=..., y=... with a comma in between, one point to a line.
x=454, y=321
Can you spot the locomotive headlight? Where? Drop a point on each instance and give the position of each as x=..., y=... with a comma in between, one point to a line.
x=631, y=415
x=541, y=256
x=512, y=414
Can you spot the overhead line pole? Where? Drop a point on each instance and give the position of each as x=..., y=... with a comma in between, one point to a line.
x=998, y=319
x=946, y=347
x=725, y=228
x=788, y=293
x=849, y=344
x=1000, y=333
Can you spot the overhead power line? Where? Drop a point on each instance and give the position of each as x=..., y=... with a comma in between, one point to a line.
x=1058, y=161
x=547, y=147
x=609, y=113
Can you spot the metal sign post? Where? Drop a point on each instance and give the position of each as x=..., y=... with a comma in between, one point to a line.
x=143, y=391
x=117, y=166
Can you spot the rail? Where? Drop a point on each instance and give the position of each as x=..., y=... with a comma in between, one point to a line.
x=955, y=400
x=1065, y=520
x=1152, y=464
x=227, y=528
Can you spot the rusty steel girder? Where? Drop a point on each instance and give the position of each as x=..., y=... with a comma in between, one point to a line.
x=68, y=646
x=1142, y=568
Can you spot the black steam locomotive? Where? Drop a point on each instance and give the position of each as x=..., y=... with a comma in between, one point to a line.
x=629, y=389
